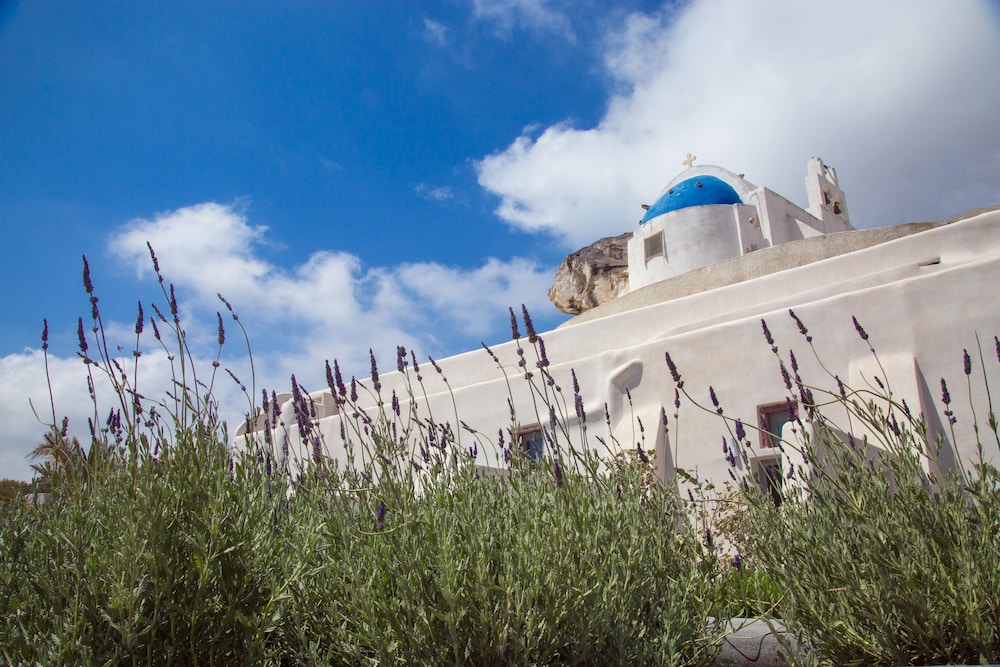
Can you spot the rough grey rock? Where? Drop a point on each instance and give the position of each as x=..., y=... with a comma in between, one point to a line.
x=591, y=276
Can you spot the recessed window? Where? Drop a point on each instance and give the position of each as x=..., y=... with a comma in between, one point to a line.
x=768, y=475
x=772, y=417
x=532, y=442
x=653, y=246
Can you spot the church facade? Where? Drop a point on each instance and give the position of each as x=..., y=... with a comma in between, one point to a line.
x=715, y=261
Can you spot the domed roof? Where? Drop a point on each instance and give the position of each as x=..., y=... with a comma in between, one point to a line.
x=700, y=190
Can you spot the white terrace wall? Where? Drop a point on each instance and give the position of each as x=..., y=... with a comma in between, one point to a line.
x=922, y=299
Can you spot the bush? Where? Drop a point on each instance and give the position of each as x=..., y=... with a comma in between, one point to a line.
x=160, y=545
x=881, y=556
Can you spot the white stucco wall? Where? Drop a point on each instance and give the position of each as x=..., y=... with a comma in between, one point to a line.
x=922, y=299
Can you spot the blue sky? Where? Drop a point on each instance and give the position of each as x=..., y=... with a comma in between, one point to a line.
x=356, y=174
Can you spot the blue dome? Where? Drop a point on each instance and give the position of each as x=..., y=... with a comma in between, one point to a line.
x=697, y=191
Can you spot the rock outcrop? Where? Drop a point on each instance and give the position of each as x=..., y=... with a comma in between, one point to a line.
x=592, y=276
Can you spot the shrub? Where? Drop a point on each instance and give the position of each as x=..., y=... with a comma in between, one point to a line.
x=161, y=545
x=881, y=555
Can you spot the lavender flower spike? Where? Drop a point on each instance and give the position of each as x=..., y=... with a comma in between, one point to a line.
x=528, y=326
x=861, y=331
x=802, y=327
x=673, y=368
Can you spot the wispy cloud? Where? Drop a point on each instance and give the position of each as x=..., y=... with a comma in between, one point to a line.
x=438, y=193
x=892, y=94
x=435, y=33
x=534, y=15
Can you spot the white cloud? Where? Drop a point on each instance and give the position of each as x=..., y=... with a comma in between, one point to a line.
x=329, y=307
x=438, y=193
x=899, y=97
x=435, y=33
x=535, y=15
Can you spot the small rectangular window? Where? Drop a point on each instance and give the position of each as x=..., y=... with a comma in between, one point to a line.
x=532, y=442
x=769, y=477
x=653, y=246
x=772, y=417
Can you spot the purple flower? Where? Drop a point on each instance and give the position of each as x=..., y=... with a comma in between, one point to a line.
x=677, y=399
x=581, y=414
x=785, y=376
x=737, y=562
x=87, y=284
x=740, y=431
x=557, y=472
x=673, y=369
x=715, y=399
x=435, y=365
x=486, y=347
x=380, y=511
x=709, y=542
x=416, y=366
x=945, y=396
x=643, y=458
x=45, y=334
x=395, y=403
x=802, y=327
x=81, y=336
x=400, y=358
x=514, y=333
x=339, y=380
x=354, y=390
x=156, y=262
x=528, y=326
x=767, y=336
x=140, y=320
x=966, y=362
x=375, y=381
x=840, y=386
x=329, y=379
x=859, y=328
x=543, y=360
x=173, y=303
x=228, y=306
x=222, y=329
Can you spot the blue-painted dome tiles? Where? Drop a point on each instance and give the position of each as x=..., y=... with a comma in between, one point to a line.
x=696, y=191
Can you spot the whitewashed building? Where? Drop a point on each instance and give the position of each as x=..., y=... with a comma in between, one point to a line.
x=713, y=257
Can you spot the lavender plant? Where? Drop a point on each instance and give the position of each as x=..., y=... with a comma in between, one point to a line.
x=163, y=545
x=881, y=552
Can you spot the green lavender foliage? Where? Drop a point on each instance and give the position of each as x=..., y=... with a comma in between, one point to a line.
x=880, y=555
x=161, y=546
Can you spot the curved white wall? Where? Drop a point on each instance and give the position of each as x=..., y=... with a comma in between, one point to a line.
x=692, y=238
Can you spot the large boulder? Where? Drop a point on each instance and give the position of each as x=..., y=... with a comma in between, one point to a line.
x=592, y=276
